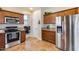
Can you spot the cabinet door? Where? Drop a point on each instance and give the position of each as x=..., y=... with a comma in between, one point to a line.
x=23, y=36
x=53, y=37
x=2, y=20
x=54, y=18
x=49, y=19
x=49, y=36
x=45, y=19
x=71, y=12
x=2, y=40
x=45, y=35
x=61, y=13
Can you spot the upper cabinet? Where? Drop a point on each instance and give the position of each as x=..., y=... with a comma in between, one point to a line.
x=67, y=12
x=49, y=19
x=21, y=19
x=2, y=20
x=71, y=11
x=4, y=13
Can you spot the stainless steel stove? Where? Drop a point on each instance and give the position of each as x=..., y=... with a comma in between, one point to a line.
x=12, y=36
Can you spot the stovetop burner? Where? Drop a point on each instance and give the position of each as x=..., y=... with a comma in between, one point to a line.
x=11, y=29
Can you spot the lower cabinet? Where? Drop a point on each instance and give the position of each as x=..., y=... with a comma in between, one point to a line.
x=2, y=41
x=49, y=36
x=23, y=36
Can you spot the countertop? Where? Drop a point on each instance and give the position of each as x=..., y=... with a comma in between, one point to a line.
x=21, y=30
x=2, y=31
x=49, y=29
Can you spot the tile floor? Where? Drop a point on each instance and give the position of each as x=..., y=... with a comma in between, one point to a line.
x=33, y=44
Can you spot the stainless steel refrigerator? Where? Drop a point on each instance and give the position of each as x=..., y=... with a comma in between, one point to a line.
x=67, y=32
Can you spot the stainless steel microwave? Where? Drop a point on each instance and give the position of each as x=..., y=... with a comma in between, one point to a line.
x=11, y=20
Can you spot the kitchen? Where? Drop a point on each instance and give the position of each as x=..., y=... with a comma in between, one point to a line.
x=54, y=29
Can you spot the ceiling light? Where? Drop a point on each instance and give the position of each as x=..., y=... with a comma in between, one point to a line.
x=31, y=8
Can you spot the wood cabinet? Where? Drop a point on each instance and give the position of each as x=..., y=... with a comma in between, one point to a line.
x=71, y=11
x=49, y=19
x=67, y=12
x=2, y=20
x=23, y=36
x=49, y=36
x=21, y=19
x=2, y=41
x=4, y=13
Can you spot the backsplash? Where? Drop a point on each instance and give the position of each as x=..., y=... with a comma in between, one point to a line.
x=50, y=25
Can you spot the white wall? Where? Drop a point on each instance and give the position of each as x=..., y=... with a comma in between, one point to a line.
x=36, y=27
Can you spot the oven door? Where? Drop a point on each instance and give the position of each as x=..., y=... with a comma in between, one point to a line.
x=12, y=36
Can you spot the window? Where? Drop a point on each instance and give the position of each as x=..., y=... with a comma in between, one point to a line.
x=26, y=20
